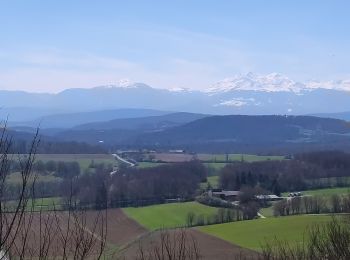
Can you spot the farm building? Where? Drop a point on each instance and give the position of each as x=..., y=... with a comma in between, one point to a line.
x=272, y=197
x=230, y=195
x=177, y=151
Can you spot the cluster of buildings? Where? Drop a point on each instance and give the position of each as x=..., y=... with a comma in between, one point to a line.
x=232, y=195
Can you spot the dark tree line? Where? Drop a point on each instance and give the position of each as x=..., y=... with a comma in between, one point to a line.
x=312, y=205
x=63, y=171
x=137, y=187
x=304, y=171
x=223, y=215
x=29, y=234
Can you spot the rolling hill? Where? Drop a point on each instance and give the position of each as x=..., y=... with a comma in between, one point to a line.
x=234, y=133
x=341, y=115
x=252, y=129
x=150, y=123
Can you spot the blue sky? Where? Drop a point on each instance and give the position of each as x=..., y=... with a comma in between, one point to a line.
x=53, y=45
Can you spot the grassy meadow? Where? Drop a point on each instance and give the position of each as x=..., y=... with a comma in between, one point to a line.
x=324, y=192
x=238, y=157
x=39, y=204
x=213, y=181
x=16, y=178
x=148, y=164
x=84, y=160
x=267, y=212
x=253, y=234
x=167, y=215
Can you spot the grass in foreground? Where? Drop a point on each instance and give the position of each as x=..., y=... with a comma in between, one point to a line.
x=253, y=234
x=167, y=215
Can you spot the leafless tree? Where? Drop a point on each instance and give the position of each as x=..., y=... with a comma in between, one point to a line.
x=178, y=245
x=336, y=203
x=328, y=242
x=27, y=232
x=295, y=205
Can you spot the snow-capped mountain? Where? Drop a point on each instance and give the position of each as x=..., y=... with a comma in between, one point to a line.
x=273, y=82
x=243, y=94
x=275, y=94
x=340, y=85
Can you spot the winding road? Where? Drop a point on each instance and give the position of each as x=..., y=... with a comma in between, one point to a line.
x=116, y=156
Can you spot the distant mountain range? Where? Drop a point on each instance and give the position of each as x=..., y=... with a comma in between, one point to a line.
x=196, y=132
x=68, y=120
x=342, y=115
x=120, y=131
x=253, y=113
x=249, y=94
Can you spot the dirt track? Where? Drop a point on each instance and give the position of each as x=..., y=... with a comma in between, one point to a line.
x=121, y=229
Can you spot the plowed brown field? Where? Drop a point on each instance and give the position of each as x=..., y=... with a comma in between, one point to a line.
x=210, y=248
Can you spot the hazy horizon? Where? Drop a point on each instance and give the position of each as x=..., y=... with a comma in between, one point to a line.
x=52, y=46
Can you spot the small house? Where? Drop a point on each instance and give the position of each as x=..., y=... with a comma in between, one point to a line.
x=230, y=195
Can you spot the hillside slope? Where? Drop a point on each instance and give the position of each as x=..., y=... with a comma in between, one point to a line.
x=228, y=133
x=252, y=131
x=144, y=123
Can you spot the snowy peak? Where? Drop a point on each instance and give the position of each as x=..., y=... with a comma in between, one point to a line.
x=341, y=85
x=125, y=84
x=180, y=90
x=273, y=82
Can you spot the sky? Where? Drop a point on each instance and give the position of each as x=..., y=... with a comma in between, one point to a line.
x=48, y=46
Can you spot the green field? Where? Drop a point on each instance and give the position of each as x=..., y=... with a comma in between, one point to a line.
x=254, y=233
x=167, y=215
x=40, y=204
x=238, y=157
x=215, y=166
x=46, y=203
x=212, y=166
x=84, y=160
x=213, y=181
x=324, y=192
x=148, y=164
x=267, y=212
x=16, y=178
